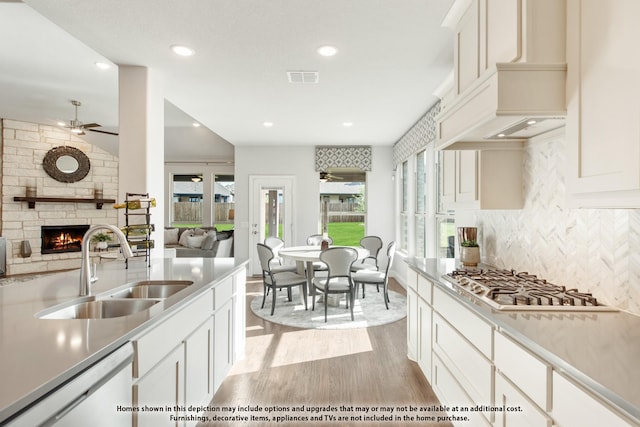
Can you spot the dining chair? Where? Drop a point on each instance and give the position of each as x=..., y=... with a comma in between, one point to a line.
x=338, y=278
x=278, y=280
x=277, y=263
x=373, y=244
x=316, y=240
x=374, y=277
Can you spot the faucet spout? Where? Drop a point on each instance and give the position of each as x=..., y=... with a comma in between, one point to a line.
x=85, y=270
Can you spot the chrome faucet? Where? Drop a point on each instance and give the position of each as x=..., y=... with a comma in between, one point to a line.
x=85, y=269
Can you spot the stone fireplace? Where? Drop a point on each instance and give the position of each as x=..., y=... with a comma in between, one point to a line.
x=62, y=238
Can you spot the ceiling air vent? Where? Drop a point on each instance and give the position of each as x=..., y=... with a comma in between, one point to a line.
x=303, y=76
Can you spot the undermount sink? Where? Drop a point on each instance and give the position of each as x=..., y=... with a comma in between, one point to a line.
x=153, y=289
x=100, y=309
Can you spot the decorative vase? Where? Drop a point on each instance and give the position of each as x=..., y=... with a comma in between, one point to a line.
x=102, y=245
x=470, y=256
x=25, y=249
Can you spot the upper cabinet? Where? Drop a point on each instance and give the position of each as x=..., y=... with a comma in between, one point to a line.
x=603, y=103
x=509, y=73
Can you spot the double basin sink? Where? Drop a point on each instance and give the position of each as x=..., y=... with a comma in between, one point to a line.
x=134, y=298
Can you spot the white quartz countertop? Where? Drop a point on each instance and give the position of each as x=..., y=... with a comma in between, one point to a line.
x=39, y=354
x=600, y=350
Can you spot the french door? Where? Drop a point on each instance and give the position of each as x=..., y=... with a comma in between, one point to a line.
x=270, y=213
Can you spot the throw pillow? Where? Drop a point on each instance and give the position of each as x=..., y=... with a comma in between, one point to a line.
x=171, y=236
x=199, y=232
x=194, y=241
x=209, y=241
x=184, y=235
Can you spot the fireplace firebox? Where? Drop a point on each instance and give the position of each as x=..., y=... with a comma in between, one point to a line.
x=62, y=238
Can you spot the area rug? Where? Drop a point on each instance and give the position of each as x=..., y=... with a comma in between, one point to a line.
x=367, y=312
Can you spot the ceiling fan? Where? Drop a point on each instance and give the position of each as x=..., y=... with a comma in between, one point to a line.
x=77, y=127
x=327, y=177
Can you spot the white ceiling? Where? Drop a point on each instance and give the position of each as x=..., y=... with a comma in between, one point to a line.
x=392, y=56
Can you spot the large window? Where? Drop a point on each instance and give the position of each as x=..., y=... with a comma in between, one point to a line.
x=422, y=192
x=224, y=202
x=445, y=223
x=342, y=205
x=404, y=222
x=187, y=200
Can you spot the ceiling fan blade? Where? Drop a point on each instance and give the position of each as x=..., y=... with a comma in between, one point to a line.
x=102, y=131
x=91, y=125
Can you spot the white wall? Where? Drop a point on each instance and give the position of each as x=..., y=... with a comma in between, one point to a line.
x=300, y=163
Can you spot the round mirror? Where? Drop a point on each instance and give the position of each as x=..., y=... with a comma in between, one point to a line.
x=66, y=164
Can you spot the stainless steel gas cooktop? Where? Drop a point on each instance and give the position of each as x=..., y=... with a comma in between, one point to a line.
x=511, y=290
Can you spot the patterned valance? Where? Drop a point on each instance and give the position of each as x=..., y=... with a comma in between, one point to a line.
x=416, y=138
x=343, y=157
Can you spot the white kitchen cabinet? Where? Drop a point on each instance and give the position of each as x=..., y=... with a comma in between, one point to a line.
x=603, y=104
x=412, y=314
x=522, y=411
x=223, y=344
x=424, y=328
x=574, y=406
x=158, y=392
x=487, y=179
x=198, y=350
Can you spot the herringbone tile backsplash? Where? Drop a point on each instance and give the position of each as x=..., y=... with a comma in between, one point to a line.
x=594, y=250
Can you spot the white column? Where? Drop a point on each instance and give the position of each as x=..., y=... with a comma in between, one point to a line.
x=141, y=142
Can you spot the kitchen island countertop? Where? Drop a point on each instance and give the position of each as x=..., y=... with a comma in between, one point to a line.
x=599, y=350
x=39, y=354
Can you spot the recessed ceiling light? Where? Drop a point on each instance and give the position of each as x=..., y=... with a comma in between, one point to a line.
x=196, y=124
x=327, y=50
x=347, y=124
x=501, y=135
x=532, y=122
x=267, y=124
x=182, y=50
x=102, y=65
x=62, y=124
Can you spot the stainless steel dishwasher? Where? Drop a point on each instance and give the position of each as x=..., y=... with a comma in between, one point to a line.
x=89, y=398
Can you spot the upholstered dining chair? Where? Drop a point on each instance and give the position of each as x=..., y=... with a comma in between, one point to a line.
x=338, y=278
x=277, y=263
x=278, y=280
x=374, y=277
x=316, y=240
x=373, y=244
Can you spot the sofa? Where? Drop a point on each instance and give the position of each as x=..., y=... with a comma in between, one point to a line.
x=204, y=242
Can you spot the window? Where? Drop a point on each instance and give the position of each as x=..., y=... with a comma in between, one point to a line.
x=187, y=200
x=445, y=223
x=404, y=222
x=422, y=193
x=342, y=205
x=224, y=202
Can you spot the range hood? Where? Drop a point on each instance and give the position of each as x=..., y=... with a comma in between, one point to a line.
x=515, y=102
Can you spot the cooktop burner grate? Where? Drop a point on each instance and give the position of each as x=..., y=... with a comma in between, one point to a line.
x=511, y=290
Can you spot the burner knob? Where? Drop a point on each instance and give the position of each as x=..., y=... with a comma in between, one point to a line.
x=463, y=281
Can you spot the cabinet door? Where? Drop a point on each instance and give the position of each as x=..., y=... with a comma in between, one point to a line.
x=467, y=45
x=412, y=324
x=603, y=99
x=447, y=179
x=222, y=343
x=161, y=389
x=466, y=176
x=198, y=349
x=508, y=396
x=424, y=339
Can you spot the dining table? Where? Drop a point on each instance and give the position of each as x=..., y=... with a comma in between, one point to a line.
x=306, y=256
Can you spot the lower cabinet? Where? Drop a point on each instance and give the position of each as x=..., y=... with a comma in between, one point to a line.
x=181, y=361
x=522, y=412
x=412, y=315
x=157, y=394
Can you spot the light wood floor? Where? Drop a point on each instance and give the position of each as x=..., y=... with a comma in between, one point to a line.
x=288, y=367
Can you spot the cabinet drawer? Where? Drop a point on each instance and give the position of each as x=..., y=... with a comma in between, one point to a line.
x=222, y=292
x=573, y=406
x=451, y=393
x=476, y=330
x=472, y=370
x=508, y=396
x=424, y=289
x=164, y=337
x=525, y=370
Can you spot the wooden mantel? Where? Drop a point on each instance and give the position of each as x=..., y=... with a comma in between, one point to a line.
x=33, y=199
